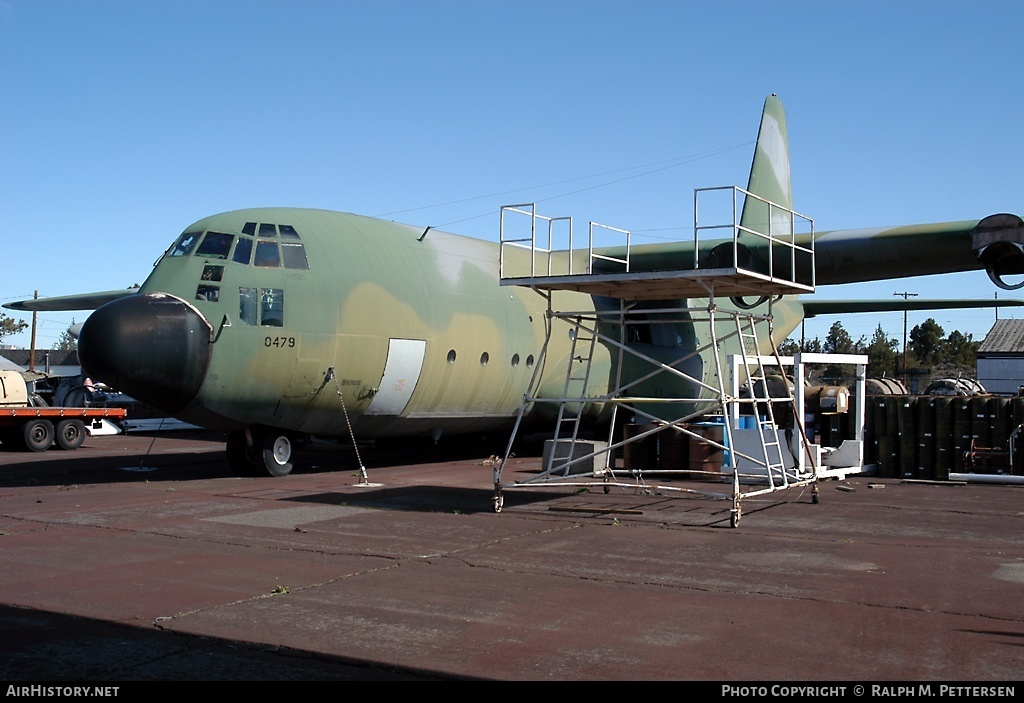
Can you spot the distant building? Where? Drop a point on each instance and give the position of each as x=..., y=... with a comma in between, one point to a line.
x=1001, y=358
x=48, y=361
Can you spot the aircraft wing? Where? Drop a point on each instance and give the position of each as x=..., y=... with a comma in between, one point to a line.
x=81, y=301
x=851, y=256
x=836, y=307
x=994, y=244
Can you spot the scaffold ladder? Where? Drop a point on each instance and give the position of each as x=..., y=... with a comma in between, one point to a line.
x=577, y=378
x=760, y=398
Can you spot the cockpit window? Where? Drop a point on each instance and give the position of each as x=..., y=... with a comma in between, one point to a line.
x=213, y=273
x=247, y=306
x=267, y=255
x=288, y=232
x=208, y=293
x=216, y=245
x=272, y=307
x=243, y=251
x=267, y=302
x=268, y=230
x=250, y=228
x=185, y=243
x=294, y=256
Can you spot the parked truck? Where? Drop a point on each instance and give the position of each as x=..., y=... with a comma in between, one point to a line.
x=27, y=422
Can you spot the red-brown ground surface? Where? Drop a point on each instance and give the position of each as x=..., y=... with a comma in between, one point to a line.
x=142, y=557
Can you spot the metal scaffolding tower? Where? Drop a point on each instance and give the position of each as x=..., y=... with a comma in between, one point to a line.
x=743, y=417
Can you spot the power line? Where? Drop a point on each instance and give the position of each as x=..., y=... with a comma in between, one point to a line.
x=671, y=163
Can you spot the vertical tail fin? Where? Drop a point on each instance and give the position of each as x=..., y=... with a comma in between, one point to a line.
x=769, y=173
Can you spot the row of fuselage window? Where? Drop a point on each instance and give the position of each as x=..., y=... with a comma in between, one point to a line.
x=265, y=307
x=485, y=359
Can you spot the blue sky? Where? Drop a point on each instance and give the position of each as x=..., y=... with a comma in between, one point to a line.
x=122, y=122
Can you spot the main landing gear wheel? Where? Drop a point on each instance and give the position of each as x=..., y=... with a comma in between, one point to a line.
x=37, y=435
x=238, y=454
x=499, y=501
x=70, y=434
x=274, y=453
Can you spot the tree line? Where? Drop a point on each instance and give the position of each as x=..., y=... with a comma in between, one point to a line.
x=927, y=347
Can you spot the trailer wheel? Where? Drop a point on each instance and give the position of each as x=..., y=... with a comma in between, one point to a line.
x=70, y=434
x=37, y=435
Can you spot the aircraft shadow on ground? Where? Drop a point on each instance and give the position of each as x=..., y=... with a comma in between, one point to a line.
x=428, y=499
x=46, y=646
x=57, y=468
x=62, y=468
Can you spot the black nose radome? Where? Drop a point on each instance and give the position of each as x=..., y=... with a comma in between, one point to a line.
x=154, y=347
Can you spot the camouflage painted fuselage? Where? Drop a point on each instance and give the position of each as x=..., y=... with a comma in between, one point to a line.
x=463, y=348
x=368, y=282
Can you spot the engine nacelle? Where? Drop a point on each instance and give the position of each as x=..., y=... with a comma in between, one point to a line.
x=998, y=242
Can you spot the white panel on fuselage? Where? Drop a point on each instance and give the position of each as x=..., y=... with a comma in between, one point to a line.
x=401, y=373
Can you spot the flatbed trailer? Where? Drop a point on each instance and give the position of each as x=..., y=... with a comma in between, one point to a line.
x=38, y=428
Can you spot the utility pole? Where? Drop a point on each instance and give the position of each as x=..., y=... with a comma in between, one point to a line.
x=32, y=346
x=905, y=296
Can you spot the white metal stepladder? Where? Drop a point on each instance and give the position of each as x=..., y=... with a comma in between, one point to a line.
x=782, y=263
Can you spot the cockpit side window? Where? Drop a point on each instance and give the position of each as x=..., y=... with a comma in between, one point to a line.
x=185, y=243
x=267, y=302
x=272, y=307
x=216, y=245
x=247, y=306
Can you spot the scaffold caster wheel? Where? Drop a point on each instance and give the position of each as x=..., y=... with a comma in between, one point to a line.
x=734, y=518
x=499, y=502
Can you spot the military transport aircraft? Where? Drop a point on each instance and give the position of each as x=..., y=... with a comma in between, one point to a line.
x=280, y=324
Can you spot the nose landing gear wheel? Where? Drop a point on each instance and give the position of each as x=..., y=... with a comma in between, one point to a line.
x=271, y=452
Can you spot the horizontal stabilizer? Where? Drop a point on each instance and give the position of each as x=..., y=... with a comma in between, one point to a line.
x=813, y=308
x=63, y=303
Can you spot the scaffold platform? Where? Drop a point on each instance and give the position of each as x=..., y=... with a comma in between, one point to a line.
x=731, y=409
